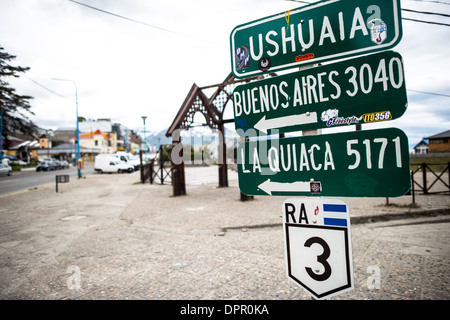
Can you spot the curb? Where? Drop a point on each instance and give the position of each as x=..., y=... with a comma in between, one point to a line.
x=361, y=219
x=400, y=215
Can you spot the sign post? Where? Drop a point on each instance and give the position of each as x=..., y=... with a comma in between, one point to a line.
x=318, y=245
x=369, y=163
x=322, y=31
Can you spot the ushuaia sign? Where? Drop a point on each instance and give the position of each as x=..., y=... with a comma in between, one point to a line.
x=322, y=31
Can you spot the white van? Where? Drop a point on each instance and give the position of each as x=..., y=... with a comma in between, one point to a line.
x=111, y=163
x=130, y=159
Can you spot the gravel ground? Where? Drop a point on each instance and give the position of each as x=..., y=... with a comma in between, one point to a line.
x=110, y=237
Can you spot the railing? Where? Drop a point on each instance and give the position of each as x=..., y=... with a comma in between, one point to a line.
x=430, y=181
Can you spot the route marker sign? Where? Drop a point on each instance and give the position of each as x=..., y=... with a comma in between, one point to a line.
x=318, y=245
x=369, y=163
x=321, y=31
x=366, y=89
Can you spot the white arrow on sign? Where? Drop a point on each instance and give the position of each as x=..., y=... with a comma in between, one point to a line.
x=297, y=119
x=270, y=186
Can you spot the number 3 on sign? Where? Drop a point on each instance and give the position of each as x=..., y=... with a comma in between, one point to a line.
x=321, y=259
x=318, y=245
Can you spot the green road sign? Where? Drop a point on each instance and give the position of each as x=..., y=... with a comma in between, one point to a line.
x=369, y=163
x=355, y=91
x=318, y=32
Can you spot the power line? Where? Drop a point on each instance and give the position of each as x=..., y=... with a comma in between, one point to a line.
x=429, y=22
x=44, y=87
x=123, y=17
x=430, y=1
x=140, y=22
x=412, y=11
x=432, y=93
x=426, y=12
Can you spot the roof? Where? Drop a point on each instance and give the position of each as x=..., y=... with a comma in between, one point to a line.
x=90, y=126
x=445, y=134
x=29, y=144
x=90, y=135
x=421, y=143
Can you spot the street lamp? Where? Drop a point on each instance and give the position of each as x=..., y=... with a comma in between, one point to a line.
x=78, y=131
x=143, y=118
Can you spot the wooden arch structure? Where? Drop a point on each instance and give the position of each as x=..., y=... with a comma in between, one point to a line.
x=212, y=109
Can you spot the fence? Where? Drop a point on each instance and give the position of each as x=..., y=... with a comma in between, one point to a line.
x=430, y=181
x=158, y=170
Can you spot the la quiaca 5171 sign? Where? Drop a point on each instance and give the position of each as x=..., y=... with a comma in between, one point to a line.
x=369, y=163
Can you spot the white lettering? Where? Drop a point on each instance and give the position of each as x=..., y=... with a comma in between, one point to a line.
x=327, y=31
x=328, y=157
x=274, y=162
x=252, y=53
x=291, y=39
x=237, y=104
x=272, y=42
x=284, y=84
x=358, y=24
x=297, y=94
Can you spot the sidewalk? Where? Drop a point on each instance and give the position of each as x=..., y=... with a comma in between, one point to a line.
x=110, y=237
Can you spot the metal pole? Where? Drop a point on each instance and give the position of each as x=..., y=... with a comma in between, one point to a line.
x=78, y=130
x=143, y=118
x=412, y=187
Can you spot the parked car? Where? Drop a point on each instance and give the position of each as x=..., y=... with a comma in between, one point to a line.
x=130, y=159
x=5, y=169
x=47, y=164
x=64, y=164
x=111, y=163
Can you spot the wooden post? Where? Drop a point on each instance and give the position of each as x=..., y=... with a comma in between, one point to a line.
x=223, y=168
x=151, y=168
x=178, y=178
x=424, y=177
x=141, y=167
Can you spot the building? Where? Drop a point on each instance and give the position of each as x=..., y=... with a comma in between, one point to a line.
x=439, y=142
x=421, y=148
x=105, y=142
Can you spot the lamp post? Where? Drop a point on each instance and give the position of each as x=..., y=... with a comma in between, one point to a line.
x=143, y=118
x=78, y=131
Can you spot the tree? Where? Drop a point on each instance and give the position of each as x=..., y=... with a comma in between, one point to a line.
x=15, y=107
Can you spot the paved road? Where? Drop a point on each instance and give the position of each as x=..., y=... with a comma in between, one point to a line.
x=30, y=179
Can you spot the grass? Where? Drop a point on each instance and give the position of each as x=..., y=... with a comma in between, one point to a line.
x=436, y=164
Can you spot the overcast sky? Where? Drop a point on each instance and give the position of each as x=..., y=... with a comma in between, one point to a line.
x=125, y=69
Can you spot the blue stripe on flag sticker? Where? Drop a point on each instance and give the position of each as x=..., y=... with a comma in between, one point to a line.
x=335, y=207
x=335, y=222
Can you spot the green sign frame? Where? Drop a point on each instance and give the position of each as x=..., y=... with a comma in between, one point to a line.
x=322, y=31
x=369, y=163
x=355, y=91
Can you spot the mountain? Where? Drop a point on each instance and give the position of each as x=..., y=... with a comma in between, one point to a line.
x=196, y=136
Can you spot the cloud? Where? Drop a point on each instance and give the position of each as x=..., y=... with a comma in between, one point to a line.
x=124, y=69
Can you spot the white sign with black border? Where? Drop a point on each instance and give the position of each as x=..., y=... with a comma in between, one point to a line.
x=318, y=245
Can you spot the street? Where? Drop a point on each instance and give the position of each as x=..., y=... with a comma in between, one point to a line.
x=31, y=179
